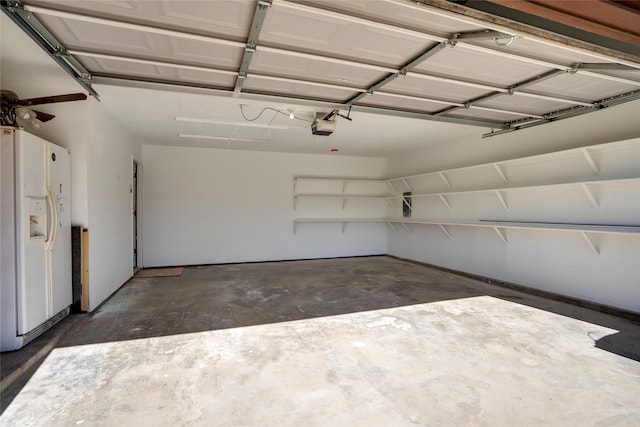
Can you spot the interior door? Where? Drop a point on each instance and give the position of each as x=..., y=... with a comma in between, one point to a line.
x=134, y=205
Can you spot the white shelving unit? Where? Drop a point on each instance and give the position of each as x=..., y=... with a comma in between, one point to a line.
x=500, y=193
x=344, y=181
x=500, y=168
x=500, y=226
x=590, y=157
x=343, y=221
x=343, y=195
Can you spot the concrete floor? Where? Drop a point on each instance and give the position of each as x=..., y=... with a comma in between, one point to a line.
x=343, y=342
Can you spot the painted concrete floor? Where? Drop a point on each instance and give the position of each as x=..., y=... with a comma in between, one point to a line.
x=344, y=342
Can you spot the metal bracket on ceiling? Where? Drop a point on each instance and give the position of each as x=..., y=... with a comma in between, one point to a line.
x=13, y=6
x=30, y=24
x=509, y=39
x=431, y=51
x=510, y=91
x=403, y=71
x=479, y=35
x=60, y=51
x=606, y=66
x=252, y=43
x=501, y=39
x=86, y=77
x=566, y=113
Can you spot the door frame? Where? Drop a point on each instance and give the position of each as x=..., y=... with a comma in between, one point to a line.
x=136, y=214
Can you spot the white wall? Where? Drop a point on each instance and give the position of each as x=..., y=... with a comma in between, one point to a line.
x=110, y=149
x=553, y=261
x=206, y=205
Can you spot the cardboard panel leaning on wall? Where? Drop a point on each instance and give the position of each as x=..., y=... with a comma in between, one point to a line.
x=207, y=205
x=558, y=262
x=109, y=164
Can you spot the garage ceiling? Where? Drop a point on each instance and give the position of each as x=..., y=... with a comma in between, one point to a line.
x=391, y=57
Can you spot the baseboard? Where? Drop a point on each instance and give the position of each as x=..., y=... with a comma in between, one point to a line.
x=627, y=314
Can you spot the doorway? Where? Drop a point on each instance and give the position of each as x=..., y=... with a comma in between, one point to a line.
x=135, y=209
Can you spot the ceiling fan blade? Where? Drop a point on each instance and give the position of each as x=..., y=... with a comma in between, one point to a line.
x=54, y=99
x=43, y=117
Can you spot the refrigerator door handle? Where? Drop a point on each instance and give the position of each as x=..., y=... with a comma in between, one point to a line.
x=53, y=219
x=49, y=223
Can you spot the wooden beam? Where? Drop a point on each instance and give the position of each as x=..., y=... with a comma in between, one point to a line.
x=84, y=304
x=615, y=20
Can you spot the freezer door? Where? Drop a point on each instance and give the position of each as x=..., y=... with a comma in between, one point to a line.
x=59, y=182
x=8, y=320
x=30, y=202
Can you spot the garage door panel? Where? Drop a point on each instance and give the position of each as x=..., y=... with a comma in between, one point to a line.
x=307, y=32
x=230, y=19
x=433, y=89
x=298, y=90
x=316, y=70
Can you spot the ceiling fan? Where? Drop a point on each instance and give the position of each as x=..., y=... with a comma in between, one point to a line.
x=13, y=108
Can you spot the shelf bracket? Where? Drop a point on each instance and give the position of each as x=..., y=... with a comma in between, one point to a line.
x=501, y=172
x=295, y=227
x=295, y=185
x=404, y=201
x=344, y=186
x=502, y=234
x=503, y=202
x=590, y=195
x=344, y=226
x=406, y=227
x=406, y=183
x=444, y=200
x=444, y=178
x=445, y=231
x=590, y=242
x=393, y=227
x=393, y=187
x=344, y=203
x=590, y=161
x=295, y=202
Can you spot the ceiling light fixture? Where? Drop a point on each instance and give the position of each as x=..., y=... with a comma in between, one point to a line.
x=25, y=113
x=219, y=122
x=221, y=138
x=28, y=115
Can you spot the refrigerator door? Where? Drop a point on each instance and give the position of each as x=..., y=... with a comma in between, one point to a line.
x=59, y=249
x=8, y=320
x=32, y=217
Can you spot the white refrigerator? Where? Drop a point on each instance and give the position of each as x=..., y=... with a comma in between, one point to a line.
x=35, y=239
